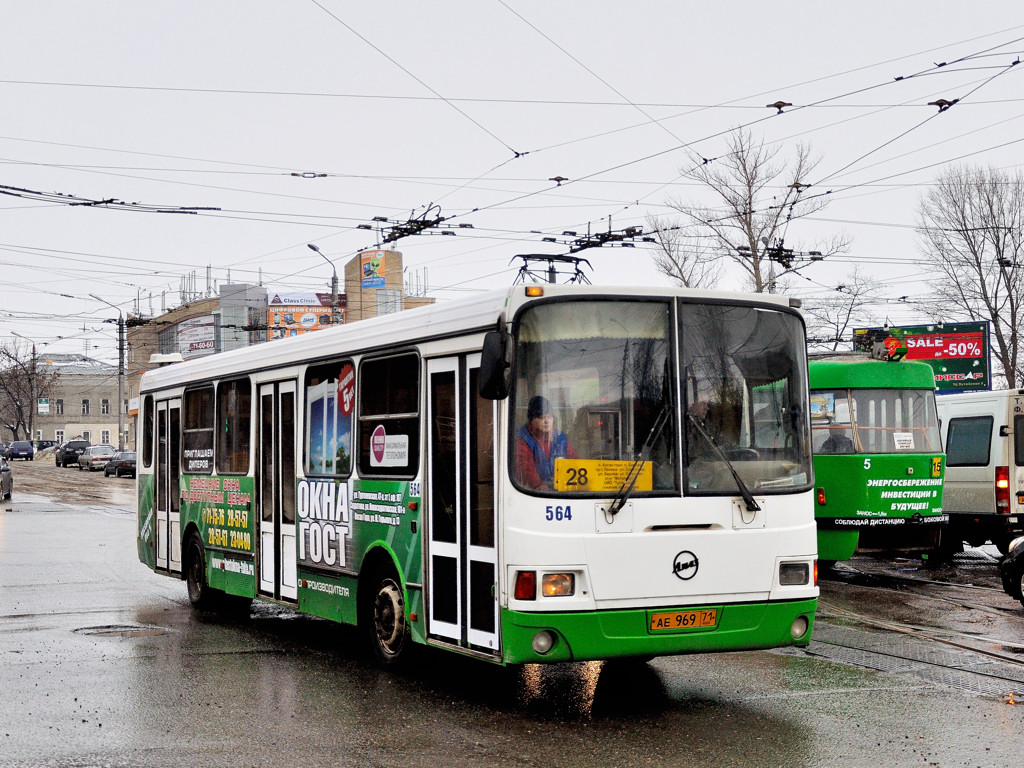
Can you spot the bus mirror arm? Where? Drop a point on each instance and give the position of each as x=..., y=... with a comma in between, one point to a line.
x=1004, y=430
x=496, y=365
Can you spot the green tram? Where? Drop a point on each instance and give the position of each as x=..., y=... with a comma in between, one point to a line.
x=878, y=460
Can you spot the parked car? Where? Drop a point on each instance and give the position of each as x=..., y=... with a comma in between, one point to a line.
x=6, y=479
x=44, y=444
x=68, y=452
x=20, y=449
x=122, y=463
x=96, y=457
x=983, y=490
x=1012, y=570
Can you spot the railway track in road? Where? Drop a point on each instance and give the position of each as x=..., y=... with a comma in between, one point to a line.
x=921, y=587
x=936, y=657
x=974, y=661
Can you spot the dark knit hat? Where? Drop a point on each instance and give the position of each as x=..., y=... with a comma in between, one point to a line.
x=538, y=406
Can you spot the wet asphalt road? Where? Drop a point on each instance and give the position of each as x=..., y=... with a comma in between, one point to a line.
x=103, y=663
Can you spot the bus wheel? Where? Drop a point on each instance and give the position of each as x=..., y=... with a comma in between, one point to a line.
x=200, y=594
x=384, y=622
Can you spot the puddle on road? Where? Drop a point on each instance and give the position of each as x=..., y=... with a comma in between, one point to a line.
x=121, y=630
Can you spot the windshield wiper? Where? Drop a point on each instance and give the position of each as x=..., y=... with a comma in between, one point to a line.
x=748, y=497
x=634, y=471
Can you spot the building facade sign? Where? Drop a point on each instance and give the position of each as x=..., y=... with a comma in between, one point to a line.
x=197, y=337
x=293, y=314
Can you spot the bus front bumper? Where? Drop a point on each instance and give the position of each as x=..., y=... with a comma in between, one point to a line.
x=537, y=638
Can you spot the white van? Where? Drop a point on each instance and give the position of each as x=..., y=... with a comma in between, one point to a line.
x=983, y=433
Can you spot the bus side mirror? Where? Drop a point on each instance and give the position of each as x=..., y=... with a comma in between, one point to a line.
x=496, y=366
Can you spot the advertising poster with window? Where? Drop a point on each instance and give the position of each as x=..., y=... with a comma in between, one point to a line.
x=371, y=265
x=293, y=314
x=959, y=353
x=338, y=521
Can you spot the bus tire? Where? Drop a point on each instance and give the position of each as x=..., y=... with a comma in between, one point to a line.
x=202, y=596
x=383, y=620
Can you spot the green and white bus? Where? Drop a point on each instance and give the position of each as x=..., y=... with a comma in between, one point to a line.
x=367, y=474
x=878, y=459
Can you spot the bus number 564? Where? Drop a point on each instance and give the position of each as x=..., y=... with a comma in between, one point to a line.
x=558, y=513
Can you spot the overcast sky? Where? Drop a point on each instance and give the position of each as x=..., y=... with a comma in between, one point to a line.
x=292, y=122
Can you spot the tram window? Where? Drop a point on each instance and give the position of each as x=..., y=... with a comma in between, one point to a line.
x=831, y=424
x=896, y=421
x=389, y=419
x=147, y=432
x=234, y=400
x=968, y=441
x=197, y=445
x=330, y=395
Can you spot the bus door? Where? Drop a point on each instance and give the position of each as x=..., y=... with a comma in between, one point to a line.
x=275, y=490
x=167, y=490
x=462, y=592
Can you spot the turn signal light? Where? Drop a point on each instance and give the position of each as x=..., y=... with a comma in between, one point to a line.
x=534, y=291
x=821, y=496
x=526, y=585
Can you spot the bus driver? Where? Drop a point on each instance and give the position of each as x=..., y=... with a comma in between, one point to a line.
x=538, y=444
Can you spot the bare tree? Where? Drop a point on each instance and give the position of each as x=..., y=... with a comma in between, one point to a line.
x=756, y=196
x=831, y=319
x=971, y=224
x=685, y=262
x=22, y=383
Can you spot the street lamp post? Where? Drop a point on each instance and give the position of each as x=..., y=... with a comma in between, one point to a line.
x=334, y=285
x=120, y=371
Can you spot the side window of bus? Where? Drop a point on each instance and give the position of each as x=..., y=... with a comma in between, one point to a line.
x=330, y=396
x=147, y=431
x=968, y=441
x=389, y=419
x=197, y=432
x=234, y=400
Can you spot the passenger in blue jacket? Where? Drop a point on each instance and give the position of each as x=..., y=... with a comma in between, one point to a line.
x=538, y=444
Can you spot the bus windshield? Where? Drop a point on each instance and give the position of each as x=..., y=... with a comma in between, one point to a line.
x=597, y=382
x=874, y=421
x=745, y=377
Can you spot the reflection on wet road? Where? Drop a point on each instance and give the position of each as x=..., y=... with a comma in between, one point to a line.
x=103, y=662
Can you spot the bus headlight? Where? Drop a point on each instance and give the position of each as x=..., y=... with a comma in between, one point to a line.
x=794, y=574
x=799, y=628
x=558, y=585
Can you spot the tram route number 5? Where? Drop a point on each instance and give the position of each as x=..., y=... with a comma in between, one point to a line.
x=558, y=513
x=867, y=463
